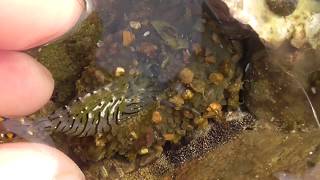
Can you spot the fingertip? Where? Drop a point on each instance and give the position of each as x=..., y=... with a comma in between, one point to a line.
x=29, y=23
x=26, y=85
x=37, y=162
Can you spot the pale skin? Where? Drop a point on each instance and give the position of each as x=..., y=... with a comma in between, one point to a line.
x=26, y=85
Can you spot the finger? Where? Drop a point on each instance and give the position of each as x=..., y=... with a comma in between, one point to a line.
x=36, y=161
x=25, y=85
x=29, y=23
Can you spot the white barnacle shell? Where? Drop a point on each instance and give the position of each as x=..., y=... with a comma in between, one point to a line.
x=300, y=27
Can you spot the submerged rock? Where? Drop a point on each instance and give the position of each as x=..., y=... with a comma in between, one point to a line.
x=279, y=87
x=257, y=154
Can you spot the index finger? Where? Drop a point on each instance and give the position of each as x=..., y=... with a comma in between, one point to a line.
x=29, y=23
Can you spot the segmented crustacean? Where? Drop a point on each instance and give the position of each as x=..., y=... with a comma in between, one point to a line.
x=95, y=113
x=111, y=111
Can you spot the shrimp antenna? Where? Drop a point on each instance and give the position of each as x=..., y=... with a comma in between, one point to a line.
x=314, y=112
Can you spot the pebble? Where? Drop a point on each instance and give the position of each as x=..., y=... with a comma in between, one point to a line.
x=187, y=94
x=215, y=106
x=186, y=75
x=147, y=33
x=188, y=114
x=177, y=101
x=199, y=120
x=147, y=159
x=144, y=151
x=210, y=59
x=135, y=25
x=215, y=38
x=198, y=86
x=148, y=48
x=216, y=78
x=127, y=38
x=120, y=71
x=10, y=135
x=156, y=117
x=134, y=135
x=169, y=137
x=197, y=49
x=100, y=43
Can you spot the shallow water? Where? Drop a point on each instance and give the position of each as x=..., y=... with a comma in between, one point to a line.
x=180, y=54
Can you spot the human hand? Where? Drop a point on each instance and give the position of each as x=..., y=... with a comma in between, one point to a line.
x=26, y=85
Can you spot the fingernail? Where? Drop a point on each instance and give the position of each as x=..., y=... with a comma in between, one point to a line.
x=88, y=7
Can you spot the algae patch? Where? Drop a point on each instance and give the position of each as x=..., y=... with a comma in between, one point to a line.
x=66, y=58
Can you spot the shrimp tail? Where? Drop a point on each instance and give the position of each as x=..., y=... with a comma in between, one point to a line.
x=37, y=131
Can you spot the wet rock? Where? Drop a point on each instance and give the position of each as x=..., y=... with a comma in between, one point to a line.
x=279, y=89
x=278, y=21
x=282, y=7
x=256, y=154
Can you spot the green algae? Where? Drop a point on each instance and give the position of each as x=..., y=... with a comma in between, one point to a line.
x=169, y=35
x=66, y=58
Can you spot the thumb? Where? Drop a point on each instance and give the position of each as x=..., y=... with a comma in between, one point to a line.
x=20, y=161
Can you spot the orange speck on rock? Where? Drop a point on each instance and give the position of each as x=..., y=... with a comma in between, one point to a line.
x=156, y=117
x=215, y=106
x=127, y=38
x=169, y=137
